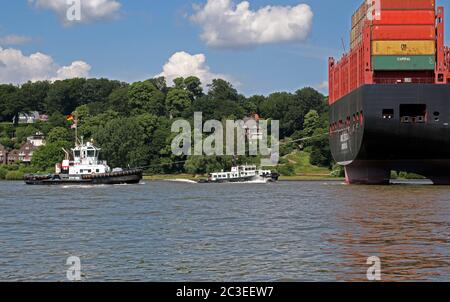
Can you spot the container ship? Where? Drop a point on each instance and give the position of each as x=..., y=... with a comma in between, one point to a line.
x=389, y=95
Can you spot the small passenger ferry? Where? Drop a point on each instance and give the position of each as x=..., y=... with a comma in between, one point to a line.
x=82, y=166
x=244, y=173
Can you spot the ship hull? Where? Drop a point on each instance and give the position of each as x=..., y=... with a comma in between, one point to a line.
x=381, y=128
x=118, y=178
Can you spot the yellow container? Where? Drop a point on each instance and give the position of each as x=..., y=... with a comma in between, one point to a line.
x=403, y=48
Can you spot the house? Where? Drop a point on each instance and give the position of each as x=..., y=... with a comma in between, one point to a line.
x=3, y=155
x=26, y=152
x=12, y=157
x=31, y=118
x=38, y=139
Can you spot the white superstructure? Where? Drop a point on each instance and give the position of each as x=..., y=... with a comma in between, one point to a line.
x=85, y=161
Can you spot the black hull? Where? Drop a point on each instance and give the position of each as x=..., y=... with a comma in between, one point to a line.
x=393, y=127
x=106, y=179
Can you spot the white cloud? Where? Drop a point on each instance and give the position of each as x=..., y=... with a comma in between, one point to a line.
x=15, y=40
x=91, y=10
x=183, y=64
x=225, y=24
x=322, y=87
x=17, y=68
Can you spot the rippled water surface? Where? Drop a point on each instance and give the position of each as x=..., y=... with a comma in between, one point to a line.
x=166, y=231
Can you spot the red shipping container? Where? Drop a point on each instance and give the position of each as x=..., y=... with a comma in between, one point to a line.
x=403, y=32
x=408, y=4
x=406, y=17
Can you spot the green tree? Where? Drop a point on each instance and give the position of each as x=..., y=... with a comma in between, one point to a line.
x=194, y=86
x=177, y=101
x=45, y=157
x=118, y=100
x=33, y=94
x=123, y=143
x=312, y=122
x=222, y=90
x=203, y=164
x=23, y=132
x=145, y=97
x=65, y=96
x=60, y=134
x=10, y=103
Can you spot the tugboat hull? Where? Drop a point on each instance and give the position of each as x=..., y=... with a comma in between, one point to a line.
x=117, y=178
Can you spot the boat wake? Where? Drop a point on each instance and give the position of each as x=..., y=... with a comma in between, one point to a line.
x=183, y=181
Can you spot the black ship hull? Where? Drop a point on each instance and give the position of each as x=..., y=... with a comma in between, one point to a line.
x=380, y=128
x=116, y=178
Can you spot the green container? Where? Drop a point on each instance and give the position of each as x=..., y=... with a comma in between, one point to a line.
x=403, y=62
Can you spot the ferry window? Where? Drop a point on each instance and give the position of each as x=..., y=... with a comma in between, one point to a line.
x=97, y=170
x=388, y=114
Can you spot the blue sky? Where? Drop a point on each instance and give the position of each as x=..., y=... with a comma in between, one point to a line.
x=146, y=33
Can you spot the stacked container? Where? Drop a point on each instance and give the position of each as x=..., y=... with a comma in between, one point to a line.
x=404, y=38
x=358, y=21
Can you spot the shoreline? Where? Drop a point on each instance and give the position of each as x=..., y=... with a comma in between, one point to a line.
x=164, y=177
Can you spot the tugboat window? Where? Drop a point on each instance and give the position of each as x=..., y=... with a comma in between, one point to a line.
x=77, y=153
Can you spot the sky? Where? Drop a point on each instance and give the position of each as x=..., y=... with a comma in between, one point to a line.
x=261, y=46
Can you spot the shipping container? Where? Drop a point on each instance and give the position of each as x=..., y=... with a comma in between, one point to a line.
x=403, y=32
x=408, y=4
x=403, y=62
x=360, y=14
x=406, y=17
x=403, y=48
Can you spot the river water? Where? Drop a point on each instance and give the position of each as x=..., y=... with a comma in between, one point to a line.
x=170, y=231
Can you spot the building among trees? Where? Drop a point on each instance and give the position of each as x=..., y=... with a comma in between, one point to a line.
x=25, y=153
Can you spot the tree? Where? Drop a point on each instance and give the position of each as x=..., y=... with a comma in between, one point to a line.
x=118, y=100
x=145, y=97
x=10, y=104
x=194, y=86
x=222, y=90
x=320, y=149
x=123, y=143
x=22, y=133
x=177, y=101
x=59, y=134
x=45, y=157
x=203, y=164
x=312, y=122
x=64, y=96
x=33, y=94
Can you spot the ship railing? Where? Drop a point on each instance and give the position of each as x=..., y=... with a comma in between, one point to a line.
x=426, y=80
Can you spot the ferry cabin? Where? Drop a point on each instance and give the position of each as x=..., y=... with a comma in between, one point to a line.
x=236, y=173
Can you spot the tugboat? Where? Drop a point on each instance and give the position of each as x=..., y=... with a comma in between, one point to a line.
x=245, y=173
x=85, y=169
